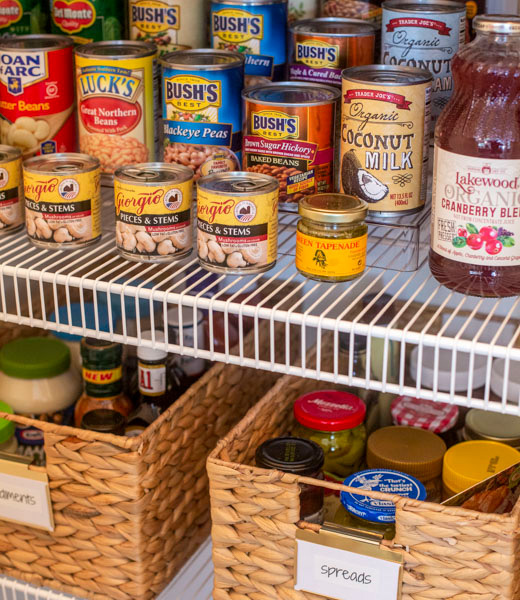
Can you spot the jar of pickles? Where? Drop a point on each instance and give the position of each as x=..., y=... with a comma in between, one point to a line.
x=335, y=421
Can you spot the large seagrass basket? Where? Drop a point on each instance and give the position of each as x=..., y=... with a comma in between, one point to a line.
x=449, y=552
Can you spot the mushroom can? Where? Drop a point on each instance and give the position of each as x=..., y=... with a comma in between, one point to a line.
x=153, y=211
x=11, y=203
x=62, y=200
x=385, y=119
x=237, y=222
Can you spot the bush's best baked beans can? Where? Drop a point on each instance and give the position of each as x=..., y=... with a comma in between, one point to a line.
x=62, y=200
x=88, y=20
x=237, y=222
x=202, y=112
x=322, y=48
x=256, y=28
x=37, y=94
x=289, y=133
x=369, y=10
x=117, y=94
x=153, y=211
x=424, y=34
x=20, y=17
x=11, y=200
x=385, y=120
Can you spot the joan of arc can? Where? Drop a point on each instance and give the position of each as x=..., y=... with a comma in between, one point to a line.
x=237, y=222
x=202, y=113
x=117, y=103
x=289, y=133
x=322, y=48
x=21, y=17
x=88, y=20
x=62, y=200
x=11, y=199
x=385, y=117
x=36, y=99
x=153, y=211
x=256, y=28
x=424, y=34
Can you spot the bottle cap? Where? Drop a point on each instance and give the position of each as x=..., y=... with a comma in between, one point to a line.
x=34, y=358
x=76, y=319
x=6, y=427
x=333, y=208
x=104, y=420
x=101, y=354
x=497, y=427
x=438, y=417
x=329, y=410
x=497, y=24
x=291, y=455
x=146, y=353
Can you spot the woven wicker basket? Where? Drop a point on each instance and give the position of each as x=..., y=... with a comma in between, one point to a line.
x=129, y=511
x=449, y=553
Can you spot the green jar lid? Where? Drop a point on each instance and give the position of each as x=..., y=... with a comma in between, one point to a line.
x=34, y=358
x=6, y=427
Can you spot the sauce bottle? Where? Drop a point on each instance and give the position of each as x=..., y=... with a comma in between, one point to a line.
x=475, y=242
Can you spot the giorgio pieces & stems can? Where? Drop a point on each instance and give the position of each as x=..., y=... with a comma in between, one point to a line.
x=88, y=20
x=11, y=199
x=385, y=136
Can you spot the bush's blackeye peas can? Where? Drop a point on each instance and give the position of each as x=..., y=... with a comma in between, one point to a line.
x=11, y=199
x=153, y=212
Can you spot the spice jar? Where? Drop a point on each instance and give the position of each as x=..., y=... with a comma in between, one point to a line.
x=492, y=426
x=413, y=451
x=300, y=457
x=8, y=441
x=377, y=516
x=104, y=420
x=334, y=420
x=331, y=237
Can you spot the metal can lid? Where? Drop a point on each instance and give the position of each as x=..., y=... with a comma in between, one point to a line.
x=387, y=75
x=117, y=49
x=104, y=420
x=65, y=163
x=437, y=417
x=293, y=93
x=238, y=183
x=425, y=6
x=153, y=173
x=333, y=208
x=508, y=24
x=497, y=427
x=203, y=58
x=291, y=455
x=250, y=2
x=33, y=42
x=336, y=26
x=8, y=153
x=329, y=410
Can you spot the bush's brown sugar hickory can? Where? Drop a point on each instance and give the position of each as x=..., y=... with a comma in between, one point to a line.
x=37, y=94
x=385, y=119
x=117, y=96
x=424, y=34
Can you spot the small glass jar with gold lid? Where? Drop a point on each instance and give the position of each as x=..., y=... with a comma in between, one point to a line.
x=331, y=237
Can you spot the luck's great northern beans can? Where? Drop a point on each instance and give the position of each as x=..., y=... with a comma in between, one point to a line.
x=11, y=200
x=153, y=211
x=21, y=17
x=289, y=133
x=424, y=34
x=385, y=117
x=88, y=20
x=256, y=28
x=202, y=113
x=117, y=103
x=37, y=94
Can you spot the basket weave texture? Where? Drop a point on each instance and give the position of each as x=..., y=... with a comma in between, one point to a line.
x=128, y=511
x=449, y=553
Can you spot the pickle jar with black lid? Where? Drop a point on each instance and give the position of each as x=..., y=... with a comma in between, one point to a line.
x=104, y=420
x=299, y=457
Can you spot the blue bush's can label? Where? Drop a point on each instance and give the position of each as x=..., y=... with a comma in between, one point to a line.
x=202, y=110
x=257, y=29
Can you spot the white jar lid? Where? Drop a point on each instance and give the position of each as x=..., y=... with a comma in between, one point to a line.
x=172, y=316
x=146, y=353
x=446, y=358
x=513, y=383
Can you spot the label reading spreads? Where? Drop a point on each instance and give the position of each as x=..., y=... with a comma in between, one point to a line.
x=11, y=209
x=476, y=209
x=152, y=379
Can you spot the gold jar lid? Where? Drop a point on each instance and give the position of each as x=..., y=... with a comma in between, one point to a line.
x=333, y=208
x=497, y=427
x=416, y=452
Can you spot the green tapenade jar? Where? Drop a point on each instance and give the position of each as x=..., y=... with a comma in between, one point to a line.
x=331, y=237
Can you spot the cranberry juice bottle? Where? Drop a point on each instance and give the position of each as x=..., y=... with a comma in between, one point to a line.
x=475, y=241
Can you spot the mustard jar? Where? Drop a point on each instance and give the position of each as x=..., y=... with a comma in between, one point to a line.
x=331, y=237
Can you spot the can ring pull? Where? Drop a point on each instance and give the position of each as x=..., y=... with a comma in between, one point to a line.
x=248, y=186
x=142, y=174
x=66, y=167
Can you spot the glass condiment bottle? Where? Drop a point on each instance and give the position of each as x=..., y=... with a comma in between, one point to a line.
x=102, y=375
x=104, y=420
x=475, y=241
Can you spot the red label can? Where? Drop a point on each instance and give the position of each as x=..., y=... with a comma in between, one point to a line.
x=37, y=94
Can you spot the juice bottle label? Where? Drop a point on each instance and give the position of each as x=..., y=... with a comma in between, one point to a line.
x=476, y=209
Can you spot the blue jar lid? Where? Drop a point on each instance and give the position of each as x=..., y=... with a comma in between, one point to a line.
x=76, y=320
x=129, y=301
x=380, y=480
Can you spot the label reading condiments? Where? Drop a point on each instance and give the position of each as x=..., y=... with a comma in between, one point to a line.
x=11, y=207
x=152, y=379
x=476, y=209
x=330, y=257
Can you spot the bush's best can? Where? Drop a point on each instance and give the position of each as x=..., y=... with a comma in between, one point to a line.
x=62, y=200
x=385, y=118
x=11, y=199
x=256, y=28
x=37, y=94
x=237, y=222
x=202, y=113
x=289, y=133
x=424, y=34
x=117, y=103
x=322, y=48
x=153, y=211
x=88, y=20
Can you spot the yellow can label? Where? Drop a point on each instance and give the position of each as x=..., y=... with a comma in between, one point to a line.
x=323, y=257
x=11, y=207
x=153, y=220
x=237, y=232
x=63, y=209
x=102, y=377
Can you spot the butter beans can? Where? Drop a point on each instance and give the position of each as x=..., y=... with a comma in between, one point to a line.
x=62, y=200
x=237, y=222
x=385, y=118
x=153, y=204
x=11, y=200
x=117, y=95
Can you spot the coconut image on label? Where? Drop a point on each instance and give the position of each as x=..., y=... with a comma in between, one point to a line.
x=357, y=181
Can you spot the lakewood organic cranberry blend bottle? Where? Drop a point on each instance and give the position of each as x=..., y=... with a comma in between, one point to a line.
x=475, y=242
